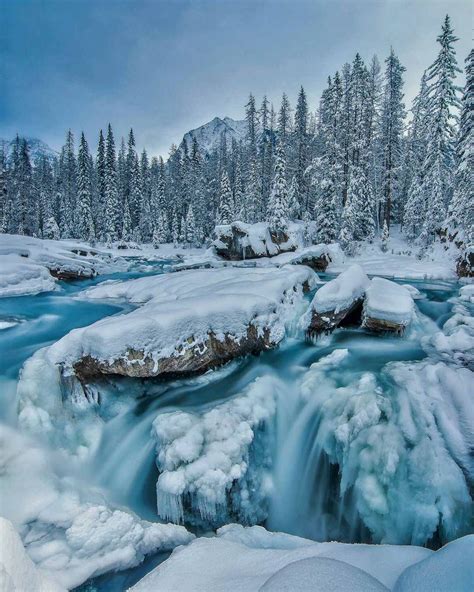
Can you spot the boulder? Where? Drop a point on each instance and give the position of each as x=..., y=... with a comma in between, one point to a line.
x=338, y=302
x=72, y=274
x=317, y=256
x=238, y=241
x=465, y=263
x=388, y=307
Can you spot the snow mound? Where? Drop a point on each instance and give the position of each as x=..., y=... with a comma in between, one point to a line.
x=17, y=572
x=340, y=293
x=216, y=464
x=70, y=534
x=17, y=277
x=449, y=569
x=389, y=302
x=244, y=559
x=179, y=311
x=467, y=293
x=320, y=574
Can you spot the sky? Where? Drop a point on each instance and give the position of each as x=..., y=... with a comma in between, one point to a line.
x=164, y=67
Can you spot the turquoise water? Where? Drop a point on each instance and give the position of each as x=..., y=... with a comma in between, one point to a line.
x=124, y=464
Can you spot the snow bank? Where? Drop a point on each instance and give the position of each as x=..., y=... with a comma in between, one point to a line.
x=179, y=312
x=451, y=568
x=402, y=446
x=467, y=293
x=247, y=560
x=387, y=303
x=18, y=277
x=70, y=534
x=27, y=264
x=215, y=464
x=17, y=572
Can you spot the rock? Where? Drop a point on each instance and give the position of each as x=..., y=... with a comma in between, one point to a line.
x=238, y=241
x=388, y=307
x=465, y=263
x=194, y=360
x=72, y=274
x=338, y=302
x=317, y=257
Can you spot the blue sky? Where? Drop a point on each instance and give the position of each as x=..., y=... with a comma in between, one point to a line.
x=165, y=67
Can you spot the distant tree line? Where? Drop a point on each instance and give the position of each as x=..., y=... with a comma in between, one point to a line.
x=355, y=167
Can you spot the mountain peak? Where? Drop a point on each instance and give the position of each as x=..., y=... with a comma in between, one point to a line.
x=209, y=135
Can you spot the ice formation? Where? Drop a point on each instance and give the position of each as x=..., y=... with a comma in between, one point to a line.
x=71, y=534
x=215, y=465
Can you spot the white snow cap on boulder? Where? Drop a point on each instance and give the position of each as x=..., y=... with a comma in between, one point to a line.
x=387, y=306
x=341, y=292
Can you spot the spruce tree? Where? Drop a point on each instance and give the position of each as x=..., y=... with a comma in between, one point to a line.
x=301, y=142
x=84, y=196
x=111, y=194
x=226, y=205
x=100, y=201
x=277, y=214
x=385, y=237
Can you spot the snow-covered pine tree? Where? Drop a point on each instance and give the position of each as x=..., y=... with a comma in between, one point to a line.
x=146, y=222
x=68, y=180
x=174, y=228
x=392, y=124
x=85, y=229
x=294, y=207
x=226, y=203
x=462, y=207
x=127, y=227
x=4, y=213
x=191, y=228
x=284, y=122
x=100, y=198
x=277, y=214
x=301, y=144
x=111, y=217
x=384, y=237
x=183, y=232
x=438, y=165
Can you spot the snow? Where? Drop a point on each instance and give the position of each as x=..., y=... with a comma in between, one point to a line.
x=17, y=572
x=201, y=457
x=257, y=237
x=340, y=293
x=402, y=260
x=25, y=263
x=467, y=293
x=17, y=277
x=451, y=568
x=246, y=559
x=388, y=301
x=71, y=533
x=178, y=311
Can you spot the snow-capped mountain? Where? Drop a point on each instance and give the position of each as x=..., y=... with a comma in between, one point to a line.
x=36, y=147
x=209, y=134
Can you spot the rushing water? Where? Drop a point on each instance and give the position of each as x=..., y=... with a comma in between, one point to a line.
x=305, y=482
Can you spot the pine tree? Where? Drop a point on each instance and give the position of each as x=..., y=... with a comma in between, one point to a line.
x=226, y=205
x=284, y=121
x=127, y=228
x=84, y=196
x=100, y=201
x=301, y=141
x=68, y=182
x=277, y=214
x=393, y=115
x=462, y=207
x=191, y=228
x=294, y=207
x=174, y=228
x=443, y=102
x=111, y=194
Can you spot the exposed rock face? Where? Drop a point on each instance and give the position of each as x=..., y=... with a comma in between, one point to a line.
x=325, y=322
x=72, y=274
x=465, y=263
x=197, y=359
x=238, y=241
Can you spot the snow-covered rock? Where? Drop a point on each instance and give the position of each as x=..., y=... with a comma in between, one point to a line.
x=387, y=306
x=317, y=256
x=238, y=241
x=335, y=301
x=214, y=466
x=17, y=572
x=253, y=559
x=187, y=323
x=465, y=263
x=30, y=265
x=71, y=533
